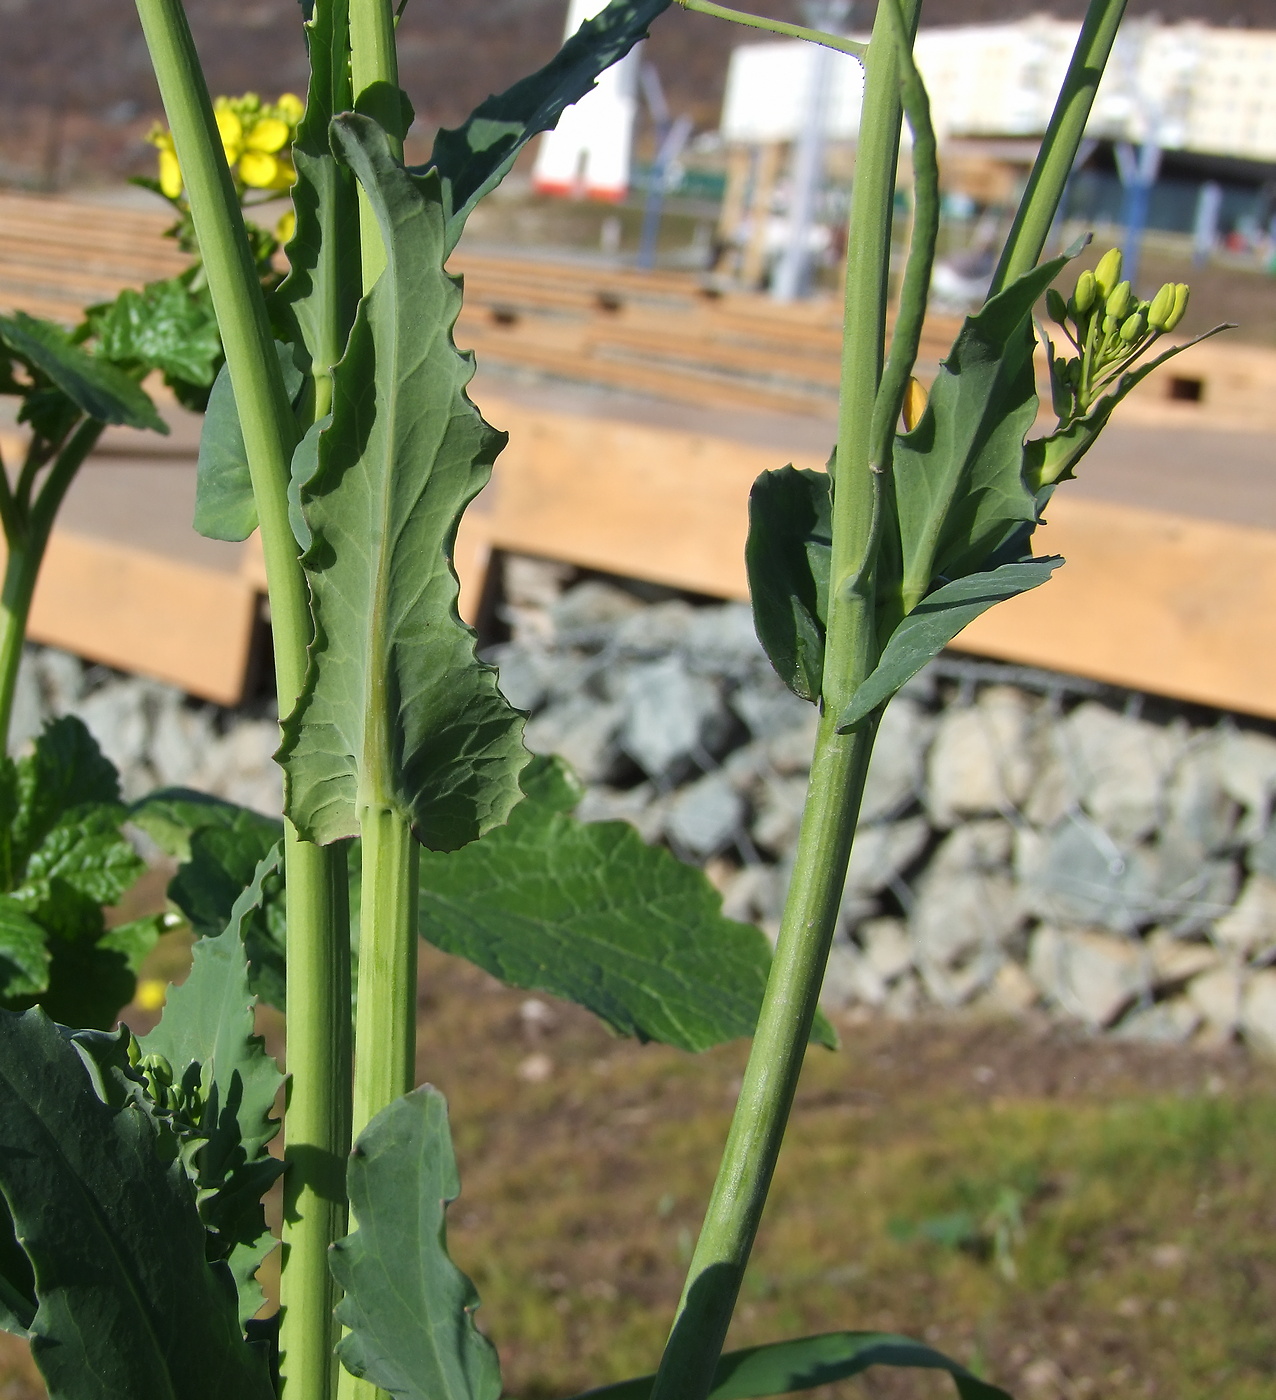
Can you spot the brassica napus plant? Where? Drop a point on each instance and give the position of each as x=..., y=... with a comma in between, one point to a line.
x=132, y=1172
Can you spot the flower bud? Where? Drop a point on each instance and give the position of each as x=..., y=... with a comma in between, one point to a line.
x=1083, y=297
x=1056, y=306
x=1110, y=325
x=1134, y=329
x=1180, y=305
x=1161, y=307
x=1108, y=272
x=914, y=404
x=1118, y=301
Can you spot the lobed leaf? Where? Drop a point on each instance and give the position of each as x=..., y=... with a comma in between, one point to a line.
x=782, y=1368
x=168, y=326
x=127, y=1303
x=408, y=1308
x=788, y=555
x=591, y=913
x=96, y=387
x=472, y=159
x=398, y=710
x=933, y=623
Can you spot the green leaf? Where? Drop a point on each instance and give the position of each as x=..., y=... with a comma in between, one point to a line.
x=957, y=485
x=17, y=1282
x=788, y=555
x=781, y=1368
x=166, y=326
x=170, y=816
x=473, y=159
x=224, y=504
x=933, y=623
x=409, y=1309
x=24, y=953
x=1051, y=459
x=96, y=387
x=208, y=1024
x=398, y=710
x=128, y=1305
x=591, y=913
x=84, y=855
x=66, y=769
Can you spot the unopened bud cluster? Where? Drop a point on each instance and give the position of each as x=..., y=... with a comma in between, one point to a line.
x=1109, y=327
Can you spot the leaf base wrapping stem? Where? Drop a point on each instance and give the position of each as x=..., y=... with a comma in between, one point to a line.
x=775, y=1062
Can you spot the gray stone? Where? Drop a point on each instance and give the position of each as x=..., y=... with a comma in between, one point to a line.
x=1012, y=992
x=883, y=851
x=1089, y=975
x=722, y=639
x=975, y=846
x=180, y=745
x=888, y=950
x=1251, y=922
x=1261, y=856
x=1247, y=769
x=654, y=630
x=895, y=770
x=849, y=979
x=581, y=730
x=904, y=1000
x=669, y=715
x=639, y=806
x=241, y=766
x=523, y=673
x=1216, y=996
x=1163, y=1023
x=957, y=914
x=705, y=815
x=779, y=813
x=746, y=765
x=752, y=895
x=1120, y=768
x=771, y=711
x=984, y=756
x=1192, y=892
x=1077, y=874
x=587, y=614
x=955, y=986
x=1258, y=1012
x=790, y=750
x=61, y=678
x=1173, y=962
x=116, y=716
x=27, y=717
x=1199, y=811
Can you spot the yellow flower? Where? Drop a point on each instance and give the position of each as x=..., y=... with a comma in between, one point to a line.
x=261, y=171
x=150, y=994
x=231, y=130
x=170, y=173
x=291, y=108
x=915, y=397
x=269, y=135
x=286, y=227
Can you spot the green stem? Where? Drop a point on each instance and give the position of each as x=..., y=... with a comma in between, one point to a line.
x=1059, y=146
x=317, y=940
x=837, y=770
x=25, y=554
x=374, y=74
x=777, y=26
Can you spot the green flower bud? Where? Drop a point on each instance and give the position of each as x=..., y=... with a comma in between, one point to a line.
x=1056, y=306
x=1180, y=305
x=1083, y=297
x=1118, y=302
x=1108, y=272
x=1110, y=325
x=1134, y=329
x=1161, y=307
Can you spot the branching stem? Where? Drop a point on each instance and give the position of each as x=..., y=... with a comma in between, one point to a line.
x=777, y=26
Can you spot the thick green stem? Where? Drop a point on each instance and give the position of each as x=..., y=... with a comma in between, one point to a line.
x=25, y=553
x=1059, y=147
x=317, y=939
x=374, y=73
x=837, y=770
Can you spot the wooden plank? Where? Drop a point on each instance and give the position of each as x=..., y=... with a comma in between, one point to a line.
x=148, y=613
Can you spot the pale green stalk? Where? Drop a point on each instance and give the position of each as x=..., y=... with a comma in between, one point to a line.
x=26, y=540
x=318, y=978
x=837, y=771
x=374, y=75
x=1059, y=146
x=777, y=26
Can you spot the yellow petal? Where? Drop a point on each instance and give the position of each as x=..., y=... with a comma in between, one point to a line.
x=230, y=128
x=259, y=170
x=269, y=135
x=291, y=108
x=170, y=173
x=286, y=227
x=151, y=993
x=914, y=404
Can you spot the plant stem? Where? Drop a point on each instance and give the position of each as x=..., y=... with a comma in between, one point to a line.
x=777, y=26
x=838, y=767
x=318, y=1116
x=374, y=73
x=25, y=553
x=1059, y=146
